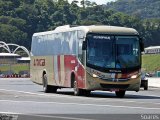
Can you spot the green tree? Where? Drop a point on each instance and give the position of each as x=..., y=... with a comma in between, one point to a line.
x=11, y=34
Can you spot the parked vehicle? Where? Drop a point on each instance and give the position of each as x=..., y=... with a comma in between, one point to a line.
x=24, y=74
x=148, y=74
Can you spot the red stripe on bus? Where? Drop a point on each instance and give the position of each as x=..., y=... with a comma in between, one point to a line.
x=59, y=68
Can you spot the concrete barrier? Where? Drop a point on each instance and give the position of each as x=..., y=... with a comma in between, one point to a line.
x=15, y=76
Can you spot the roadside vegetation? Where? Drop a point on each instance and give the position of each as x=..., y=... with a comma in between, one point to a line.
x=150, y=62
x=13, y=69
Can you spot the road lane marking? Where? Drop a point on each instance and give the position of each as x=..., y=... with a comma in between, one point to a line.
x=79, y=104
x=86, y=98
x=46, y=116
x=59, y=117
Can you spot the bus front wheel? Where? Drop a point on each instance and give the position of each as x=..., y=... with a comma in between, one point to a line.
x=120, y=93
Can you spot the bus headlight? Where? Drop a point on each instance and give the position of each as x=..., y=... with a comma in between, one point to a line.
x=134, y=76
x=94, y=75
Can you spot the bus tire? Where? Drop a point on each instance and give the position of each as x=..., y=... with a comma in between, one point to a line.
x=120, y=94
x=86, y=92
x=54, y=89
x=146, y=85
x=46, y=87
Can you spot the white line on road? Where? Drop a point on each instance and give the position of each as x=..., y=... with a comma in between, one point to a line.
x=46, y=116
x=79, y=104
x=84, y=98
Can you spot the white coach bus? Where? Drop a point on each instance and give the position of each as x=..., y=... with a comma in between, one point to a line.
x=87, y=58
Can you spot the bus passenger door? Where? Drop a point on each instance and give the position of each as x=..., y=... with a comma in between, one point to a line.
x=81, y=65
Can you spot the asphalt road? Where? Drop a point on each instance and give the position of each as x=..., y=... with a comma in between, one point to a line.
x=23, y=100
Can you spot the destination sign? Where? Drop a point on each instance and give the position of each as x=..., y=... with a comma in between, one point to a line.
x=102, y=37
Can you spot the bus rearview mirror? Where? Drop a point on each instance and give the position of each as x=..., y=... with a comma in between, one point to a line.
x=84, y=45
x=141, y=45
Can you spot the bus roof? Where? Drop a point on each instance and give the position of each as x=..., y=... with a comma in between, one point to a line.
x=93, y=29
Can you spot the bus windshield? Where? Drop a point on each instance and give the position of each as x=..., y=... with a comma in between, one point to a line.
x=106, y=51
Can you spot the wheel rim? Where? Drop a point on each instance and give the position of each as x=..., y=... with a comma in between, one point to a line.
x=44, y=82
x=75, y=88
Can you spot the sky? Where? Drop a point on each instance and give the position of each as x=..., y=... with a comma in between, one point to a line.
x=99, y=2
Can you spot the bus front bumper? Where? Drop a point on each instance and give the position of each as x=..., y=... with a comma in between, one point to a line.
x=113, y=84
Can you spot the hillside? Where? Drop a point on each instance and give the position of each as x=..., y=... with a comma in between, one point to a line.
x=150, y=63
x=21, y=18
x=140, y=8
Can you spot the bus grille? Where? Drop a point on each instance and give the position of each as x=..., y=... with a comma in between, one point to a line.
x=114, y=86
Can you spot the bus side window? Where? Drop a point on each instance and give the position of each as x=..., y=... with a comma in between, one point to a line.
x=81, y=47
